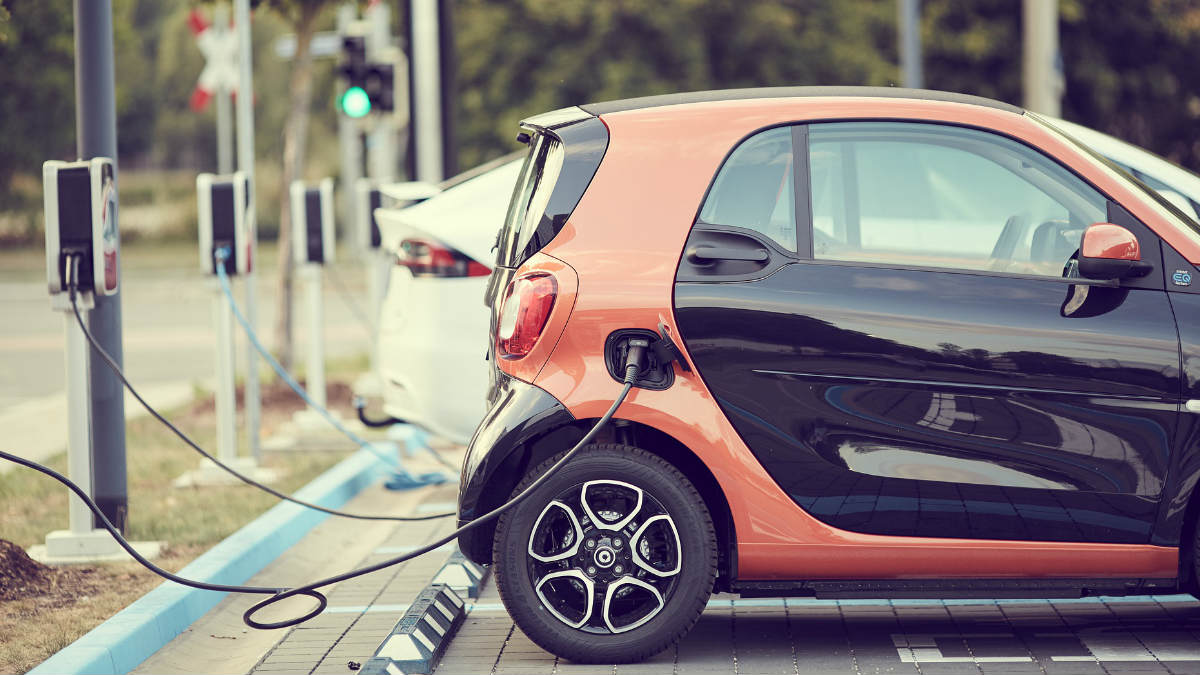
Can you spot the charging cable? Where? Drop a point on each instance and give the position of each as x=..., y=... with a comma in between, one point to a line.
x=221, y=255
x=72, y=281
x=633, y=364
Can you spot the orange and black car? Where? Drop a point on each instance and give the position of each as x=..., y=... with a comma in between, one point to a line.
x=905, y=344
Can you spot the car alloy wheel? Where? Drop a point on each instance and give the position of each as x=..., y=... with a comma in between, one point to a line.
x=604, y=556
x=611, y=560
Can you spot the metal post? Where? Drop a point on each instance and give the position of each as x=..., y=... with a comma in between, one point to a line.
x=79, y=442
x=1042, y=71
x=96, y=126
x=224, y=103
x=909, y=22
x=224, y=132
x=349, y=137
x=245, y=147
x=427, y=90
x=226, y=395
x=316, y=335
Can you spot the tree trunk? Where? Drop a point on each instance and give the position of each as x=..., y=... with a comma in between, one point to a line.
x=295, y=136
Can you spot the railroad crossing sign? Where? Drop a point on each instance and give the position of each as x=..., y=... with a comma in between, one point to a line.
x=220, y=48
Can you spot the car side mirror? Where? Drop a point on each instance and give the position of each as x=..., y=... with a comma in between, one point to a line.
x=1111, y=252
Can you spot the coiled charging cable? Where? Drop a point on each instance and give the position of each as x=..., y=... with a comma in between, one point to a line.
x=633, y=364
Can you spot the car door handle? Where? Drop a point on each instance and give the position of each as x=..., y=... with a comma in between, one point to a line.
x=697, y=254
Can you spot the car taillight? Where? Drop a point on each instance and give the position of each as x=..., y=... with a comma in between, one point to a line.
x=425, y=258
x=527, y=305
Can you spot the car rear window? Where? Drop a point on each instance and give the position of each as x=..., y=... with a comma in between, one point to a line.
x=530, y=197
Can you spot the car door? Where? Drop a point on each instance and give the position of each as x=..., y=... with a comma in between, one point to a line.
x=888, y=314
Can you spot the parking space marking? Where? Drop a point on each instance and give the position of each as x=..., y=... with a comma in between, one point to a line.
x=1101, y=644
x=360, y=609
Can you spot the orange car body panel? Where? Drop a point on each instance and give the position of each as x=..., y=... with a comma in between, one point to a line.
x=624, y=241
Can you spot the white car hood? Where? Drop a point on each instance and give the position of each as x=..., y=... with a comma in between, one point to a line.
x=466, y=216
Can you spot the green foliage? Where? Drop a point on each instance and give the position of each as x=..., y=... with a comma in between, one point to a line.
x=1132, y=72
x=555, y=54
x=5, y=20
x=37, y=89
x=1129, y=68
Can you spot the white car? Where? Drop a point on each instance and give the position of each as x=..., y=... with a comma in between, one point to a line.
x=433, y=325
x=1178, y=186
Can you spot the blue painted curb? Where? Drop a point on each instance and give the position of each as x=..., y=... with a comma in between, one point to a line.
x=121, y=644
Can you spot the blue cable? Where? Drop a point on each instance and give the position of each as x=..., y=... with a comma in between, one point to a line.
x=222, y=254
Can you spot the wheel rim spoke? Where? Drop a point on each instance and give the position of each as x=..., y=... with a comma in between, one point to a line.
x=672, y=544
x=638, y=586
x=609, y=523
x=536, y=533
x=555, y=607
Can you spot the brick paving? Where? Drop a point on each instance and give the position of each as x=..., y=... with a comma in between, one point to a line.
x=361, y=611
x=1106, y=636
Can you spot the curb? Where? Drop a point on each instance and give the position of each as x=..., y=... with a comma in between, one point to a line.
x=122, y=642
x=421, y=635
x=461, y=575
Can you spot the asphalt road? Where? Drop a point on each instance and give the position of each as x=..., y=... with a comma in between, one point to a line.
x=167, y=327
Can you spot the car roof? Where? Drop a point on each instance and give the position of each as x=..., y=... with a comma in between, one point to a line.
x=606, y=107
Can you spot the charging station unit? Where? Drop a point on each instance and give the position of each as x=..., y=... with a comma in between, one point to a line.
x=80, y=207
x=312, y=248
x=222, y=208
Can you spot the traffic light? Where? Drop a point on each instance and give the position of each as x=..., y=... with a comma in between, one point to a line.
x=380, y=84
x=354, y=101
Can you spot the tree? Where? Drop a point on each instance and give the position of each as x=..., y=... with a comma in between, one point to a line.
x=303, y=17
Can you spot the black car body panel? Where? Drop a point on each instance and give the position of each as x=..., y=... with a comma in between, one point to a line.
x=496, y=459
x=943, y=404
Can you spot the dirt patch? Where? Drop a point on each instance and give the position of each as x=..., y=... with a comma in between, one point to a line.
x=20, y=575
x=279, y=403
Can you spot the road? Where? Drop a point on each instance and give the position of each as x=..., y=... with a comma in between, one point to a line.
x=167, y=308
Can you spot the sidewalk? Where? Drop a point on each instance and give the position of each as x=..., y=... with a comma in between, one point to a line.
x=361, y=611
x=36, y=429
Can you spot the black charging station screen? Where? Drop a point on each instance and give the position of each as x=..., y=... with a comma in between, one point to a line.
x=223, y=223
x=75, y=219
x=312, y=222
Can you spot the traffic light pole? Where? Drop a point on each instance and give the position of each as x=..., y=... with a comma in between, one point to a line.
x=96, y=125
x=349, y=137
x=224, y=102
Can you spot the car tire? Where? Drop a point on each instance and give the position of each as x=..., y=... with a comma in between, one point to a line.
x=623, y=581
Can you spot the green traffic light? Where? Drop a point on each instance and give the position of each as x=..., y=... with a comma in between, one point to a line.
x=355, y=102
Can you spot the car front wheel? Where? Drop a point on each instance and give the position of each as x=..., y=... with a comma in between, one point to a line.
x=611, y=560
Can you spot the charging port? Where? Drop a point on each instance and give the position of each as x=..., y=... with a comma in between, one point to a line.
x=656, y=374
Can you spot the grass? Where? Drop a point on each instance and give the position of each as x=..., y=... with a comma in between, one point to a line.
x=189, y=520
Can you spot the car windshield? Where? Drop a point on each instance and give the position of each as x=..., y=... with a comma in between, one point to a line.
x=1171, y=211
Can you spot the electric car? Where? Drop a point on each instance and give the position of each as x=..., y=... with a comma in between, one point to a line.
x=433, y=323
x=903, y=343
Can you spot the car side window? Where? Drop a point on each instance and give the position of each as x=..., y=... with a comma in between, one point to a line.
x=754, y=188
x=932, y=195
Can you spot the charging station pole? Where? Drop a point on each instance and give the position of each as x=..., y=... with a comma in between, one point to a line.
x=316, y=333
x=79, y=427
x=80, y=206
x=245, y=153
x=313, y=247
x=224, y=228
